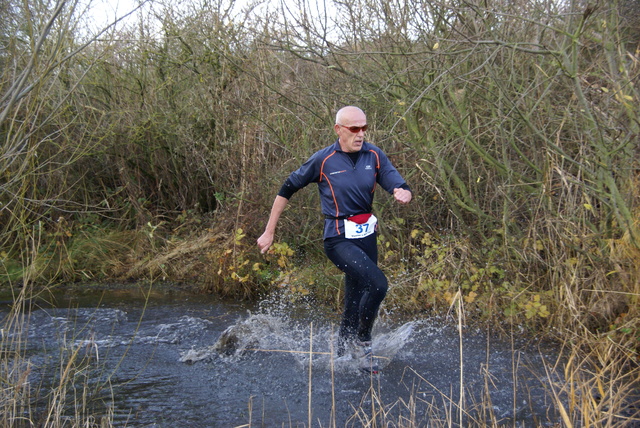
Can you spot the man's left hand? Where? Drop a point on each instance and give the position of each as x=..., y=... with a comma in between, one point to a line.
x=403, y=196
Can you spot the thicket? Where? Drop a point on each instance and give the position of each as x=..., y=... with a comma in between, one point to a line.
x=153, y=149
x=515, y=123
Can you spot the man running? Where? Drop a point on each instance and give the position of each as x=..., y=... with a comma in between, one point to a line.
x=347, y=173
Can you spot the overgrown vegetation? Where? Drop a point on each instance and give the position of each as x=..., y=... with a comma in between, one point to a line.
x=153, y=150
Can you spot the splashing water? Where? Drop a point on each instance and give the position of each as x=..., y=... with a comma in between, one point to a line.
x=271, y=333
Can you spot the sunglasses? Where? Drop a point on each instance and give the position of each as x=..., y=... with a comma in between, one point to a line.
x=355, y=129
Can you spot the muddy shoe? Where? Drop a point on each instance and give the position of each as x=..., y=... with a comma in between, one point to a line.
x=368, y=362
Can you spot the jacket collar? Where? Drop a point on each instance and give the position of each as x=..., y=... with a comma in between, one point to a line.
x=336, y=146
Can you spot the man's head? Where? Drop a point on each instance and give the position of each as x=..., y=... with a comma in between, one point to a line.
x=351, y=123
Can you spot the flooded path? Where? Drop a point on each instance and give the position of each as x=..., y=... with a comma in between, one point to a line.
x=157, y=362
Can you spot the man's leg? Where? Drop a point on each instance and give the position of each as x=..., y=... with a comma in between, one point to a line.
x=353, y=294
x=365, y=284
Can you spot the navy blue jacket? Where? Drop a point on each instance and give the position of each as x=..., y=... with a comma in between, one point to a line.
x=345, y=188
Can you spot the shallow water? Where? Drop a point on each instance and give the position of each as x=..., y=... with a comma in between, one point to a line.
x=159, y=363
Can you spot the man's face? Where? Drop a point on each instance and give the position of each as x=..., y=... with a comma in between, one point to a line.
x=351, y=141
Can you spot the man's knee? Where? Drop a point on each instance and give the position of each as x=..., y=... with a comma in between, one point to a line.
x=381, y=286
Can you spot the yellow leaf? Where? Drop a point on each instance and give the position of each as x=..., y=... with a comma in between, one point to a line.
x=471, y=297
x=588, y=207
x=449, y=297
x=539, y=245
x=436, y=46
x=572, y=261
x=543, y=312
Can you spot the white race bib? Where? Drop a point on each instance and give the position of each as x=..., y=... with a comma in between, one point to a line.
x=353, y=230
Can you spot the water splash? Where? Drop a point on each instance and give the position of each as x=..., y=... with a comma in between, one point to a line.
x=386, y=346
x=266, y=333
x=245, y=335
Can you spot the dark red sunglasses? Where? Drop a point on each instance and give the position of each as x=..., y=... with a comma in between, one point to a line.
x=355, y=129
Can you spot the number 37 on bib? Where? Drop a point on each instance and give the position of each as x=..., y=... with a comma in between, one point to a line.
x=353, y=230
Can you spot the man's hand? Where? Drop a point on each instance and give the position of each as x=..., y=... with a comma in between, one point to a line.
x=265, y=241
x=403, y=196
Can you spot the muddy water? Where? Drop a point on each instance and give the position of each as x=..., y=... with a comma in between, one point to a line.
x=158, y=361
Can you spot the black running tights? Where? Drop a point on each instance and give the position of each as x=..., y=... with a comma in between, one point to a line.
x=365, y=284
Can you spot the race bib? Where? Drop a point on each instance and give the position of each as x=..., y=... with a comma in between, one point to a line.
x=353, y=230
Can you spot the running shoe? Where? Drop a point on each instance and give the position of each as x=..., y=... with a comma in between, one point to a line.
x=346, y=348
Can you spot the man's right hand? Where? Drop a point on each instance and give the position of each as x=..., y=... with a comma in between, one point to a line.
x=265, y=241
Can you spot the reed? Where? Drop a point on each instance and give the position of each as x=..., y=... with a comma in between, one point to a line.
x=64, y=393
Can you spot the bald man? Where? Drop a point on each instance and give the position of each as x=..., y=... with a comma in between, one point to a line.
x=347, y=173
